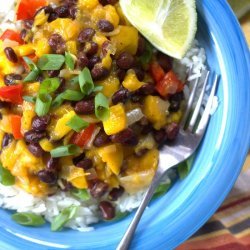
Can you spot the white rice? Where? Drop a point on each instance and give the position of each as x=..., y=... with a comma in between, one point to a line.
x=16, y=199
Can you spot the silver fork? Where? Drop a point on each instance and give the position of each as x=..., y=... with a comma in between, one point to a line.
x=184, y=146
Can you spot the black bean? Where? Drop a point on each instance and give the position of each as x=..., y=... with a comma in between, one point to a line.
x=28, y=24
x=105, y=2
x=11, y=79
x=52, y=17
x=86, y=35
x=85, y=164
x=107, y=210
x=125, y=137
x=105, y=25
x=62, y=85
x=174, y=106
x=93, y=61
x=67, y=186
x=92, y=49
x=160, y=136
x=73, y=12
x=121, y=73
x=40, y=123
x=70, y=2
x=172, y=130
x=135, y=98
x=34, y=136
x=82, y=60
x=141, y=46
x=146, y=129
x=40, y=78
x=101, y=139
x=98, y=188
x=115, y=193
x=164, y=60
x=35, y=149
x=146, y=89
x=47, y=10
x=52, y=164
x=53, y=73
x=175, y=101
x=99, y=72
x=46, y=176
x=57, y=44
x=23, y=34
x=120, y=96
x=85, y=107
x=140, y=74
x=125, y=61
x=78, y=158
x=62, y=11
x=1, y=116
x=7, y=140
x=10, y=54
x=4, y=104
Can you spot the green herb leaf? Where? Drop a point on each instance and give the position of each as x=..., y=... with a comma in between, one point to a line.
x=77, y=123
x=65, y=216
x=28, y=219
x=29, y=98
x=6, y=178
x=185, y=167
x=146, y=57
x=86, y=82
x=43, y=103
x=162, y=189
x=32, y=76
x=67, y=150
x=69, y=61
x=81, y=194
x=98, y=88
x=49, y=85
x=101, y=107
x=51, y=62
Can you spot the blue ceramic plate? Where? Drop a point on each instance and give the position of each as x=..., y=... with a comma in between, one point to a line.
x=174, y=217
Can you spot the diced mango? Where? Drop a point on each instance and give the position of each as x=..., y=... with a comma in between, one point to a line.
x=131, y=81
x=1, y=138
x=46, y=145
x=42, y=47
x=71, y=47
x=117, y=120
x=107, y=61
x=24, y=50
x=2, y=84
x=41, y=18
x=156, y=110
x=110, y=85
x=99, y=38
x=6, y=66
x=61, y=129
x=5, y=124
x=28, y=114
x=31, y=89
x=111, y=15
x=66, y=27
x=126, y=40
x=123, y=19
x=113, y=156
x=87, y=4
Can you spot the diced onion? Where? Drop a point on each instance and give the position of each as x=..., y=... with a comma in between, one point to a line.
x=134, y=116
x=93, y=136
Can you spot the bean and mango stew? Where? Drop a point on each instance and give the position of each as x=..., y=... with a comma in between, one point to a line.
x=86, y=102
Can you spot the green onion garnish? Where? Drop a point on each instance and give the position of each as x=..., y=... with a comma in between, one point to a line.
x=77, y=123
x=162, y=189
x=29, y=98
x=43, y=103
x=51, y=62
x=28, y=219
x=72, y=95
x=32, y=76
x=65, y=216
x=75, y=80
x=146, y=57
x=67, y=150
x=86, y=82
x=69, y=61
x=98, y=88
x=81, y=194
x=101, y=107
x=6, y=178
x=49, y=85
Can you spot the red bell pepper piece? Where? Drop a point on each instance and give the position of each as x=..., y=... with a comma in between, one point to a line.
x=26, y=9
x=11, y=35
x=81, y=139
x=12, y=94
x=16, y=126
x=170, y=84
x=156, y=71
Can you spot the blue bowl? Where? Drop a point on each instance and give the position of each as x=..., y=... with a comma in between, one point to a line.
x=174, y=217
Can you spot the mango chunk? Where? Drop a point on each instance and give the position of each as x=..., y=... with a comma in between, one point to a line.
x=131, y=81
x=28, y=114
x=46, y=145
x=87, y=4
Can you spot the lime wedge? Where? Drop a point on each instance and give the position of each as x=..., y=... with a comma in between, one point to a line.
x=170, y=25
x=240, y=7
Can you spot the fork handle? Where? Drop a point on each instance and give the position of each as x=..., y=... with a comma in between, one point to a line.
x=125, y=242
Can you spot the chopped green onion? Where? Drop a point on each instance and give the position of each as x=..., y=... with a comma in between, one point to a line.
x=185, y=167
x=65, y=216
x=57, y=102
x=49, y=85
x=81, y=194
x=101, y=107
x=28, y=219
x=162, y=189
x=69, y=61
x=34, y=70
x=29, y=98
x=77, y=123
x=72, y=95
x=75, y=80
x=43, y=103
x=67, y=150
x=6, y=178
x=98, y=88
x=51, y=62
x=86, y=82
x=146, y=57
